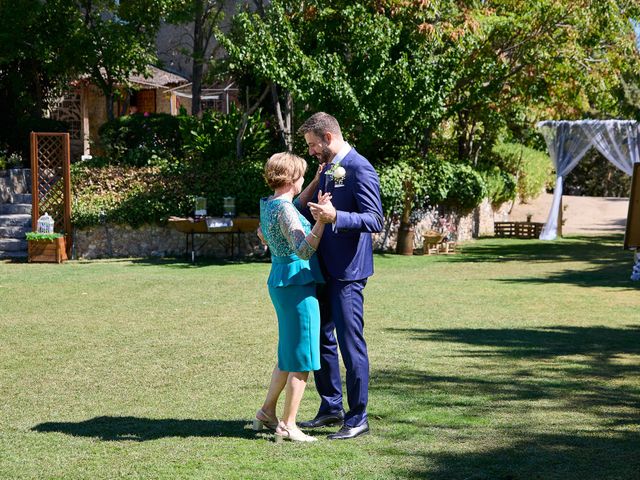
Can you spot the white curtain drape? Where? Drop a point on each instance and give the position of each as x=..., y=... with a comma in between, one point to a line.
x=569, y=141
x=617, y=141
x=567, y=144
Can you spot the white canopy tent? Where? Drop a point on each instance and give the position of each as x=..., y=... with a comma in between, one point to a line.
x=569, y=141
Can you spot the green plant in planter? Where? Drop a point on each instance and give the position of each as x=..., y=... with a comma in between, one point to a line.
x=35, y=236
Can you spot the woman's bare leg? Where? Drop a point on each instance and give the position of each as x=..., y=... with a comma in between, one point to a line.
x=294, y=390
x=278, y=382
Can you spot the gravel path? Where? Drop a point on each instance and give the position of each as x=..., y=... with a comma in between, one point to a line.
x=584, y=215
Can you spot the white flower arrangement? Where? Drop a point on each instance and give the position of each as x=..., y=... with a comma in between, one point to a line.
x=337, y=173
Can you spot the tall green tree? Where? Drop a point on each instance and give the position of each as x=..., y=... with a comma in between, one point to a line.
x=34, y=66
x=204, y=16
x=114, y=38
x=450, y=74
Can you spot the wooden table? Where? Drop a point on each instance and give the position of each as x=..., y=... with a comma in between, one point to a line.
x=213, y=226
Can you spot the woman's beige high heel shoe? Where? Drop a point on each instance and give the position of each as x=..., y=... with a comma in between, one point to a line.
x=292, y=434
x=263, y=421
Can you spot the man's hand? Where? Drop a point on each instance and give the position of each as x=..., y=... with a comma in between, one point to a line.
x=323, y=211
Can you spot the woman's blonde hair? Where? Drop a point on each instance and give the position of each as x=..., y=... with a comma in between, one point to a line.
x=284, y=168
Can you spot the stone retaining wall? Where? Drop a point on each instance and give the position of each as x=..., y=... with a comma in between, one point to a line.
x=474, y=224
x=15, y=180
x=107, y=241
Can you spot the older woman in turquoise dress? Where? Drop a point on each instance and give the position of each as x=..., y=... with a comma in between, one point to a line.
x=295, y=272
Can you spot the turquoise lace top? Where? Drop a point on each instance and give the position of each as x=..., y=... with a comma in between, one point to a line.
x=285, y=229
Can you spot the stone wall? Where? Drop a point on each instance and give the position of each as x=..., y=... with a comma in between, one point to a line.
x=107, y=241
x=110, y=241
x=474, y=224
x=12, y=181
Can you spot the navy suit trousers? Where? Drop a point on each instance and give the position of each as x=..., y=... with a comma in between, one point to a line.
x=341, y=310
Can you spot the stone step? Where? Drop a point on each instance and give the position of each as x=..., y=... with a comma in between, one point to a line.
x=14, y=231
x=13, y=245
x=15, y=220
x=15, y=209
x=21, y=198
x=13, y=255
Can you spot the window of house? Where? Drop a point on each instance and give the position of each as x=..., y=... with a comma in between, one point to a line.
x=143, y=101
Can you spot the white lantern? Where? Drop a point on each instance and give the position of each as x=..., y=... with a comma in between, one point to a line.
x=229, y=207
x=45, y=224
x=201, y=207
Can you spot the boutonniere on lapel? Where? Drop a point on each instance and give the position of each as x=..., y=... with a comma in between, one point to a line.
x=337, y=173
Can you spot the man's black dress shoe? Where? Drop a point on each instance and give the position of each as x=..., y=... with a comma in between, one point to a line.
x=323, y=421
x=350, y=432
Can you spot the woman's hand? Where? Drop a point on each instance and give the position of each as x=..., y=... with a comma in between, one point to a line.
x=323, y=211
x=260, y=235
x=324, y=198
x=318, y=173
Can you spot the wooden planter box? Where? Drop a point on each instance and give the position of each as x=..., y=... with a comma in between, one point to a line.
x=52, y=251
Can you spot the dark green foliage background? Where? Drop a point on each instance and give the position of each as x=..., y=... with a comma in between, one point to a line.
x=156, y=165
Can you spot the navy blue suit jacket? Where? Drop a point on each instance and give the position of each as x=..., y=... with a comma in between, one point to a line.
x=347, y=253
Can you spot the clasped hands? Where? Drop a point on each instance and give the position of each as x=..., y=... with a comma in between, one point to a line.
x=323, y=211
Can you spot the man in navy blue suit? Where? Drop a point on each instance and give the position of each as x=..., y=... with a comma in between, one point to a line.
x=346, y=257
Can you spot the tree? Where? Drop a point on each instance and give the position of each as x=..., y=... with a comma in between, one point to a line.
x=113, y=39
x=346, y=58
x=34, y=67
x=204, y=15
x=447, y=79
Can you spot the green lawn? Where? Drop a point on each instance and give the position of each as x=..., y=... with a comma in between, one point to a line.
x=513, y=360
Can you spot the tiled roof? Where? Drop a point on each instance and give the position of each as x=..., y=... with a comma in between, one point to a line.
x=158, y=78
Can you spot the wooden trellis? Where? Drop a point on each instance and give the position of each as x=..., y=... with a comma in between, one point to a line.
x=51, y=181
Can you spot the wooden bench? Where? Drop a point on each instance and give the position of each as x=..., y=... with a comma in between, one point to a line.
x=518, y=229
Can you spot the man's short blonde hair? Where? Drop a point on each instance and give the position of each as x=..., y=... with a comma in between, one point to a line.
x=284, y=168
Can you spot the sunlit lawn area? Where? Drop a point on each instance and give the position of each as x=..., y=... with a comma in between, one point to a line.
x=512, y=360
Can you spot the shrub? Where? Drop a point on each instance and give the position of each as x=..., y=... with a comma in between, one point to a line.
x=467, y=189
x=416, y=182
x=215, y=172
x=137, y=189
x=124, y=195
x=531, y=168
x=141, y=140
x=10, y=160
x=501, y=185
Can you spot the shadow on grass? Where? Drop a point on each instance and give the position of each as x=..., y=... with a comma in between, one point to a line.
x=544, y=342
x=539, y=457
x=178, y=262
x=600, y=260
x=589, y=374
x=142, y=429
x=590, y=249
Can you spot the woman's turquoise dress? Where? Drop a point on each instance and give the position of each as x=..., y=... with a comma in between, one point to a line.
x=295, y=271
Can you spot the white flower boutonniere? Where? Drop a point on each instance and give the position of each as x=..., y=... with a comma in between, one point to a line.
x=338, y=173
